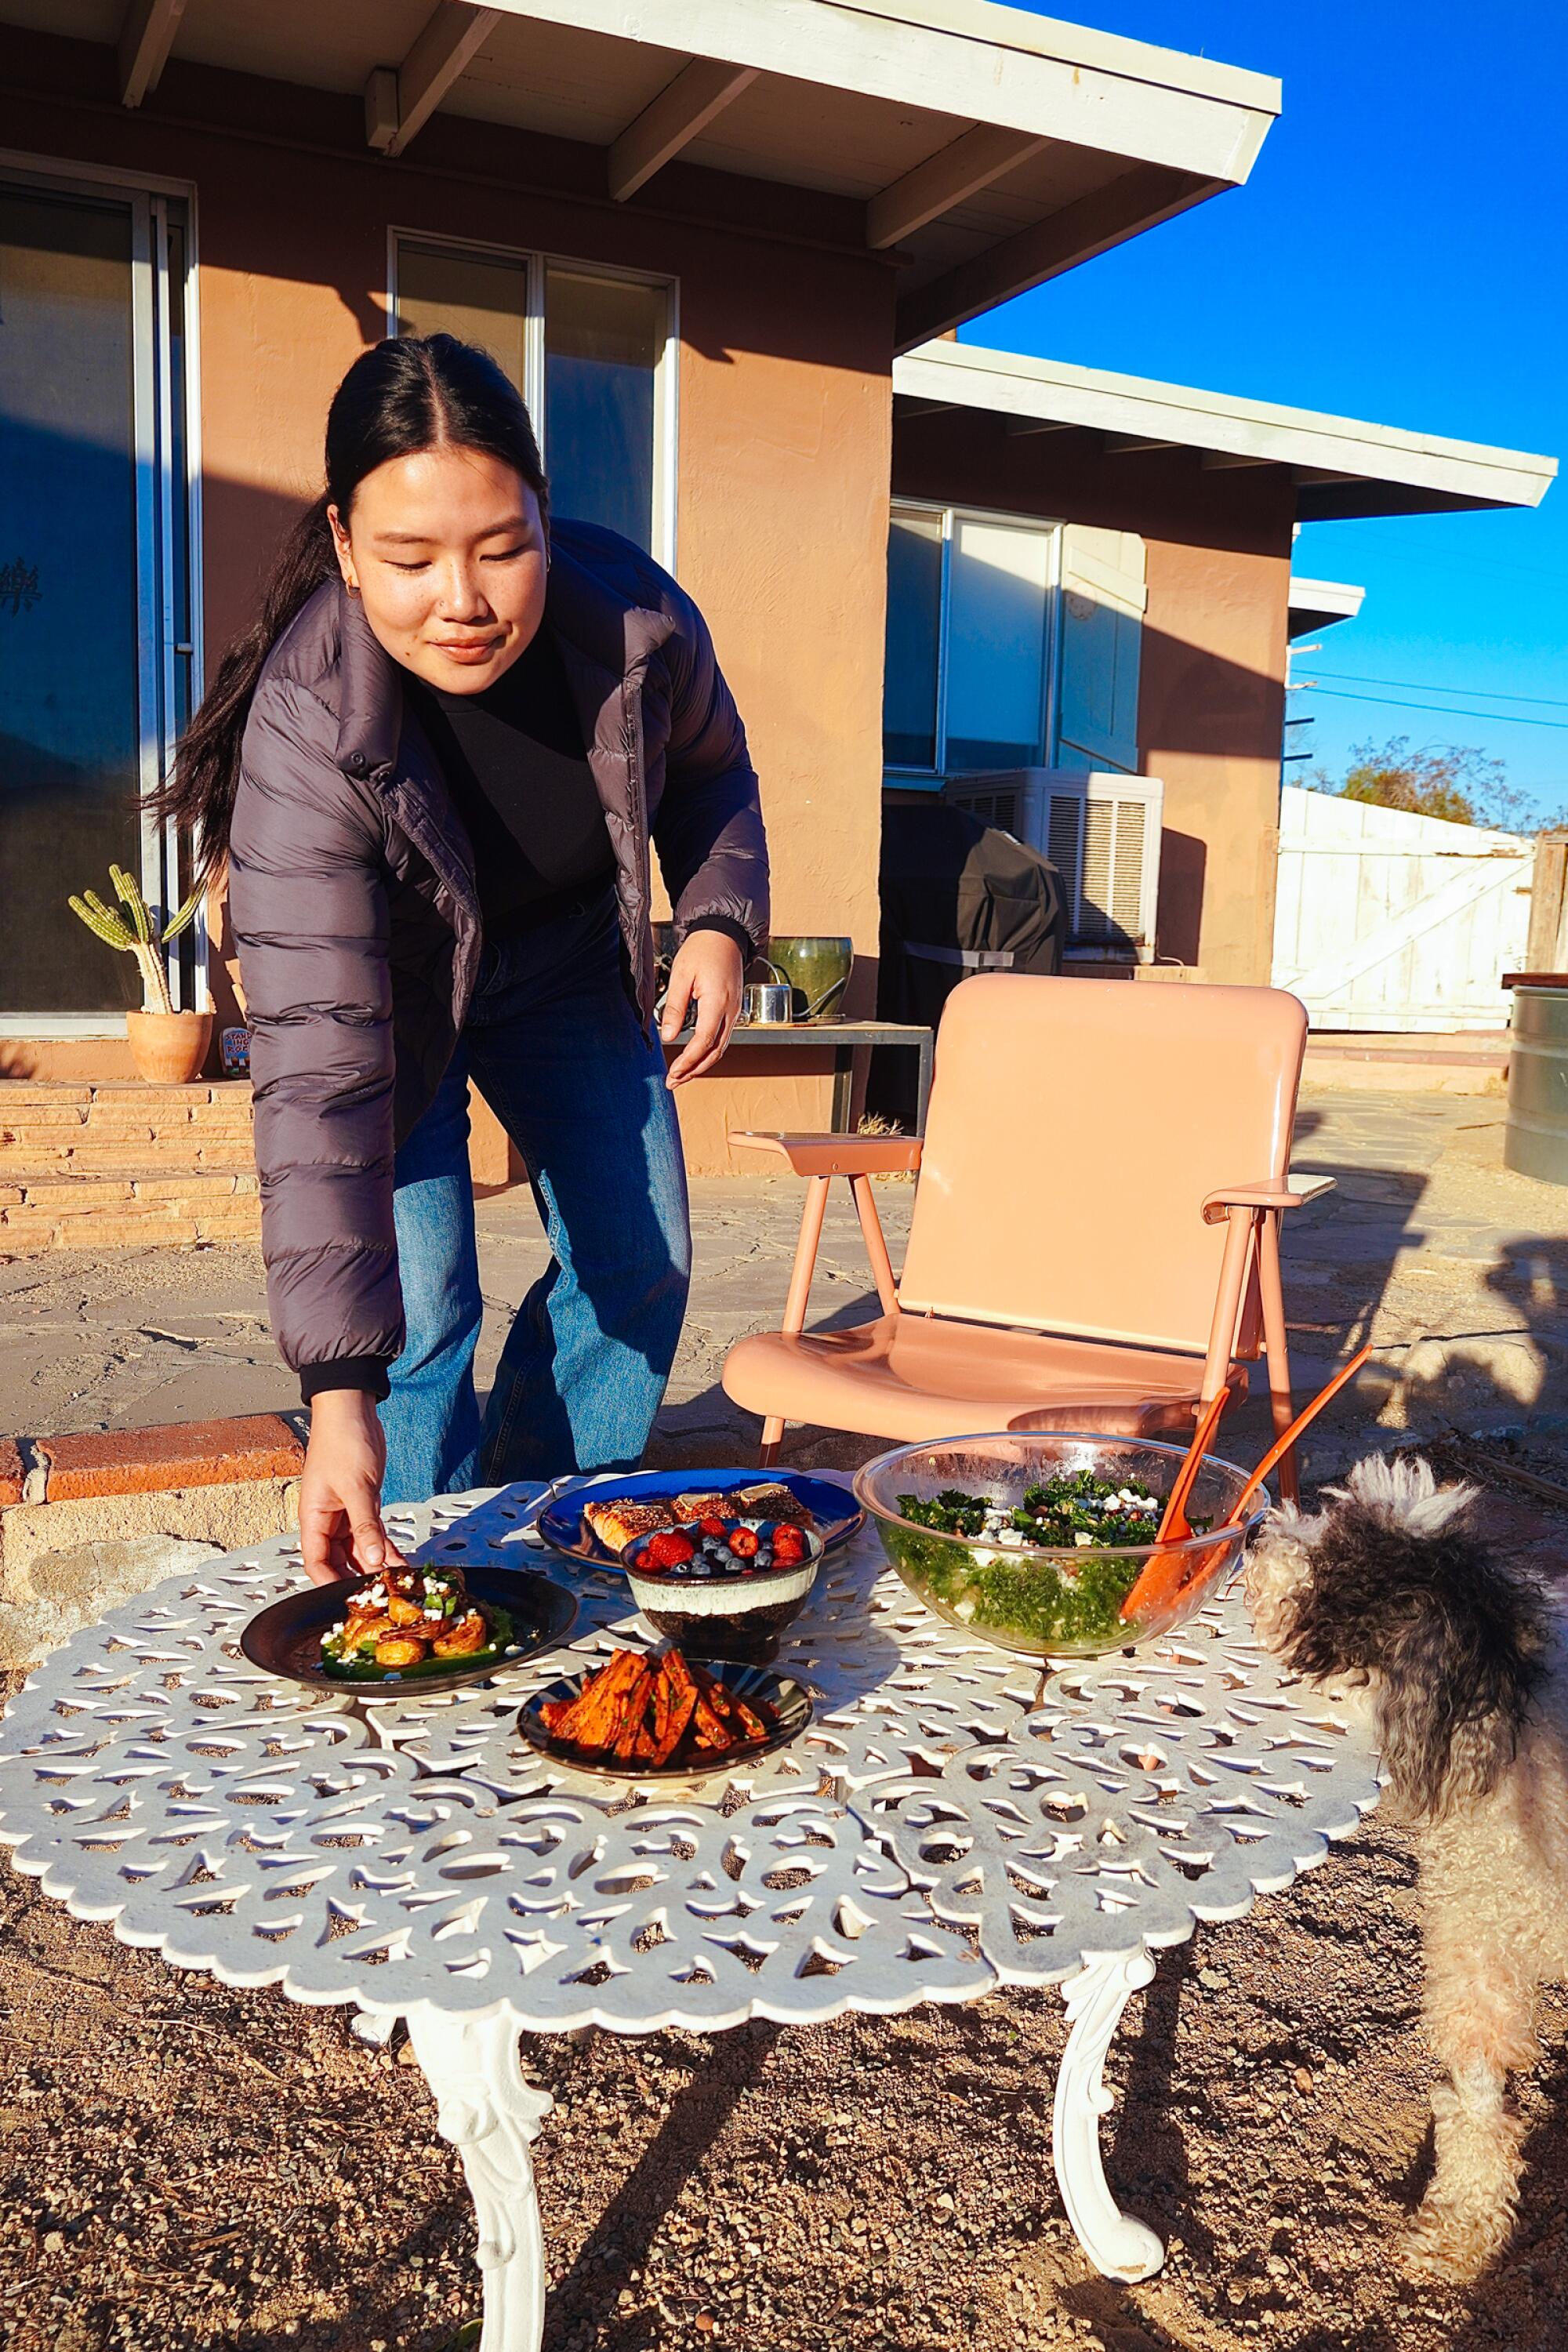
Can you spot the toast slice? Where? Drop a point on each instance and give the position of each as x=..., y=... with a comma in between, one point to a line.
x=618, y=1522
x=771, y=1502
x=689, y=1508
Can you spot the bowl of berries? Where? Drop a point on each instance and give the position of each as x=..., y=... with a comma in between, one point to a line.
x=724, y=1588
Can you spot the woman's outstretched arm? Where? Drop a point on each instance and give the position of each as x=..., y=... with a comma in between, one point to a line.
x=309, y=915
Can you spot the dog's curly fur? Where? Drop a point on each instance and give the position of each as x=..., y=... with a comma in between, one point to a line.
x=1392, y=1592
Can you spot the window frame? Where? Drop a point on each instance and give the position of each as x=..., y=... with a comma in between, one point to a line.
x=161, y=508
x=537, y=261
x=912, y=778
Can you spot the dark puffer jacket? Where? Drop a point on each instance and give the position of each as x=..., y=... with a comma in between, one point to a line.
x=352, y=898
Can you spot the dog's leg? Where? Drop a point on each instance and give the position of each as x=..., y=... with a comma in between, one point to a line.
x=1480, y=1999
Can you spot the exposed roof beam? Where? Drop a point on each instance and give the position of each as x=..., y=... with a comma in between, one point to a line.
x=945, y=179
x=903, y=407
x=1138, y=200
x=1023, y=425
x=454, y=35
x=1221, y=461
x=681, y=112
x=1130, y=444
x=146, y=37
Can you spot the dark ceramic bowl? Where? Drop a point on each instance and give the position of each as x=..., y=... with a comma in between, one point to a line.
x=737, y=1615
x=788, y=1700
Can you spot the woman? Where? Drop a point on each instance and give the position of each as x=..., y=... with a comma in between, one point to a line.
x=434, y=768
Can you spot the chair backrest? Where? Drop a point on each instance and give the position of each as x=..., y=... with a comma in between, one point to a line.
x=1076, y=1128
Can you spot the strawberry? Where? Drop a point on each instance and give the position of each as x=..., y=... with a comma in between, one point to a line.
x=743, y=1542
x=668, y=1549
x=710, y=1527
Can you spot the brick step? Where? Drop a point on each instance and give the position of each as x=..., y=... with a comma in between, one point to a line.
x=47, y=1116
x=43, y=1210
x=112, y=1154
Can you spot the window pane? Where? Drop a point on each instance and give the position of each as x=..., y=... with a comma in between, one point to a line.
x=997, y=644
x=915, y=635
x=603, y=338
x=69, y=712
x=481, y=297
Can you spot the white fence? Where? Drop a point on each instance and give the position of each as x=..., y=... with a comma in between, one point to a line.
x=1389, y=921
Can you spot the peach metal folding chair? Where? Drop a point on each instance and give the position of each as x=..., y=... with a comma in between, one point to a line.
x=1096, y=1234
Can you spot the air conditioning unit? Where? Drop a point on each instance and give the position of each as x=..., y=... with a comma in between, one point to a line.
x=1101, y=833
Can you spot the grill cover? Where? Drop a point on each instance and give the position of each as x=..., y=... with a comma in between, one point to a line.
x=958, y=897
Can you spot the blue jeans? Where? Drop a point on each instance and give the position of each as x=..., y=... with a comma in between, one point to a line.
x=553, y=1046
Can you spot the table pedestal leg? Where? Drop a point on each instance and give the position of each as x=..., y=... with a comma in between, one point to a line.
x=1115, y=2243
x=489, y=2115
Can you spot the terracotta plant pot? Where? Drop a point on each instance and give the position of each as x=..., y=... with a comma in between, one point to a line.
x=169, y=1048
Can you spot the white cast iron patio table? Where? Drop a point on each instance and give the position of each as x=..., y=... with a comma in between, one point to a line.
x=934, y=1835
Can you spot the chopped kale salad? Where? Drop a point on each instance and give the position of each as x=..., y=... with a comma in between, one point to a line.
x=1043, y=1602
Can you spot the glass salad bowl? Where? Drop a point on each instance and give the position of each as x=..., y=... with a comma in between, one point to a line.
x=1066, y=1578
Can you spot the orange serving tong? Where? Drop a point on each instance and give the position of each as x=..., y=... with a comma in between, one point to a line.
x=1162, y=1578
x=1174, y=1526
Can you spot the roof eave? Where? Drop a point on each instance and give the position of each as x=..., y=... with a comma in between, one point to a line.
x=1342, y=466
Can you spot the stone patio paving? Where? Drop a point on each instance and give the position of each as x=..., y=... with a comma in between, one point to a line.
x=1428, y=1237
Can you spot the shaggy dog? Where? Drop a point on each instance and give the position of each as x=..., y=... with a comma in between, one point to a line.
x=1460, y=1659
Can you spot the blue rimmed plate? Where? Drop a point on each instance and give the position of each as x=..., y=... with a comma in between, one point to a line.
x=562, y=1526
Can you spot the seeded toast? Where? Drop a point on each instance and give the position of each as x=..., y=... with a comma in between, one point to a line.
x=619, y=1522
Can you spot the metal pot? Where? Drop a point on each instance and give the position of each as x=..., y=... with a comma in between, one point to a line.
x=767, y=1004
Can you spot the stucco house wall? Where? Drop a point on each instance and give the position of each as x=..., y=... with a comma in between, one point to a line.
x=783, y=402
x=1211, y=689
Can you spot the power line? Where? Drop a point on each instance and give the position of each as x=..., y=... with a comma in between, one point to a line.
x=1389, y=541
x=1436, y=710
x=1540, y=701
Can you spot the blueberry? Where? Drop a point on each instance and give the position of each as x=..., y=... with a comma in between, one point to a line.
x=764, y=1556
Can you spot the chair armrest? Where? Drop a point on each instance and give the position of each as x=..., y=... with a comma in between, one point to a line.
x=836, y=1155
x=1294, y=1193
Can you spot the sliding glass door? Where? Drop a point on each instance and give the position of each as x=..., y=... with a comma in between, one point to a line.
x=96, y=643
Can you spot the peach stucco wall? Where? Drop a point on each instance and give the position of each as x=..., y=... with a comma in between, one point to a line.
x=1211, y=691
x=784, y=403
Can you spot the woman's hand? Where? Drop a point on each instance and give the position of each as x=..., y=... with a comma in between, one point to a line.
x=707, y=970
x=341, y=1531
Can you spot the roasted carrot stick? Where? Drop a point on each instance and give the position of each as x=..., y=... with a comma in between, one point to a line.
x=676, y=1726
x=622, y=1737
x=592, y=1709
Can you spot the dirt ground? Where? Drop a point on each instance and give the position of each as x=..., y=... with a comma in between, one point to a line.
x=184, y=2166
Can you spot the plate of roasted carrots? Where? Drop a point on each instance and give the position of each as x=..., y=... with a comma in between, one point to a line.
x=641, y=1714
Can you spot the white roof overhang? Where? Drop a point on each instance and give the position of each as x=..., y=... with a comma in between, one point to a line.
x=1340, y=466
x=987, y=148
x=1320, y=603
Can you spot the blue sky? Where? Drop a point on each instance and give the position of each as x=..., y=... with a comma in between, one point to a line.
x=1397, y=255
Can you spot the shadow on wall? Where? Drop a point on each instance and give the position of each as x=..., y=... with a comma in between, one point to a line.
x=1178, y=922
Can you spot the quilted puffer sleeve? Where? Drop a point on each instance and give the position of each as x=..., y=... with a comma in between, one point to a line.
x=708, y=830
x=310, y=913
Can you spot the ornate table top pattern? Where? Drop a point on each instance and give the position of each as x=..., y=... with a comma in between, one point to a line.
x=932, y=1835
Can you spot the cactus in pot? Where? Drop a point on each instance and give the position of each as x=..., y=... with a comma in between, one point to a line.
x=168, y=1047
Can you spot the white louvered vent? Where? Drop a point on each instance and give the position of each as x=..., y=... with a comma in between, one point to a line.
x=1101, y=833
x=1000, y=808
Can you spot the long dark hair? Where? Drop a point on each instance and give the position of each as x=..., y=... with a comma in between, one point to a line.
x=418, y=391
